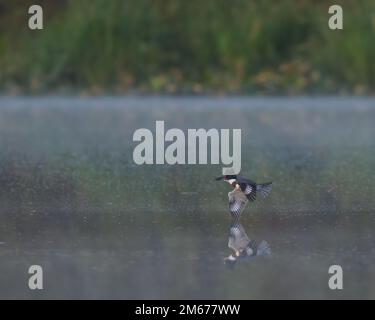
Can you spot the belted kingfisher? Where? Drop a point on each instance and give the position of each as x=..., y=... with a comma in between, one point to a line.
x=242, y=246
x=244, y=190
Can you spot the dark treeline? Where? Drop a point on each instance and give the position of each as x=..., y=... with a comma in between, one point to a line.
x=173, y=46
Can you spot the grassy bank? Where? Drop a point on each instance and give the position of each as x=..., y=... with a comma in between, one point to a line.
x=170, y=46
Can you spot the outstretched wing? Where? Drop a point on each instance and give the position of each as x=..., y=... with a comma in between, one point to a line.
x=264, y=189
x=237, y=202
x=249, y=189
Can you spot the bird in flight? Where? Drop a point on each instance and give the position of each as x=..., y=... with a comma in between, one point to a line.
x=244, y=190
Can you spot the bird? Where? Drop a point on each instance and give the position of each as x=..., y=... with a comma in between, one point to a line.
x=244, y=190
x=242, y=246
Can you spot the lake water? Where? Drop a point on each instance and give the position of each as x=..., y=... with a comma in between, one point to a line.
x=73, y=201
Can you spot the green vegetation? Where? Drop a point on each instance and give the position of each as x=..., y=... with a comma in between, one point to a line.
x=173, y=46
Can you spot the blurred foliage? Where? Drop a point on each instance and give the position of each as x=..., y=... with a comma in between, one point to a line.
x=174, y=46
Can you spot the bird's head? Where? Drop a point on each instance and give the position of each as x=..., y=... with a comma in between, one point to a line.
x=231, y=179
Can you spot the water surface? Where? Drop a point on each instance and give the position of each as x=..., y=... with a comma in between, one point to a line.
x=73, y=201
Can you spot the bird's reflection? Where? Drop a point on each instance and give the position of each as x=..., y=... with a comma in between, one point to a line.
x=242, y=246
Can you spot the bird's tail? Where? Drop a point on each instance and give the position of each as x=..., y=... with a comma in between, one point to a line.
x=264, y=249
x=264, y=189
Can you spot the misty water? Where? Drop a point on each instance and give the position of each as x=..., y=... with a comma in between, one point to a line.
x=73, y=201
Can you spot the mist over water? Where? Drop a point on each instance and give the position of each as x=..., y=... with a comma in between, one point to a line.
x=73, y=201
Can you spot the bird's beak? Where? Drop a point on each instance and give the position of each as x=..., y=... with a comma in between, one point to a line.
x=219, y=178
